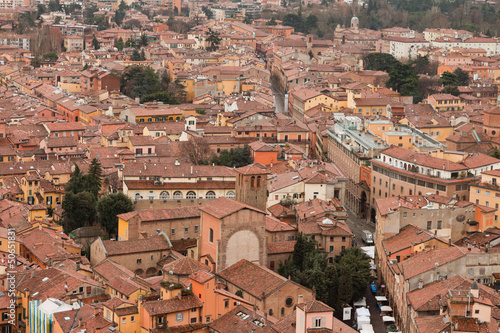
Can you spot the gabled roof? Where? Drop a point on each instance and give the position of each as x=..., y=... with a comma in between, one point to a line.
x=155, y=243
x=252, y=278
x=223, y=207
x=172, y=305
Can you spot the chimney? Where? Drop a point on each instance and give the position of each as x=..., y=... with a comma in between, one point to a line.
x=80, y=322
x=66, y=289
x=449, y=241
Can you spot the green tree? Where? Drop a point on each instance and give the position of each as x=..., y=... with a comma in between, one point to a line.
x=272, y=21
x=92, y=180
x=463, y=78
x=144, y=40
x=449, y=79
x=214, y=40
x=54, y=6
x=139, y=81
x=51, y=56
x=403, y=79
x=111, y=205
x=78, y=210
x=136, y=56
x=208, y=12
x=95, y=43
x=379, y=62
x=496, y=153
x=120, y=45
x=160, y=96
x=337, y=284
x=453, y=90
x=75, y=183
x=236, y=157
x=421, y=64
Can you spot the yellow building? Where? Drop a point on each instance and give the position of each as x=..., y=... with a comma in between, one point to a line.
x=445, y=102
x=8, y=242
x=124, y=313
x=379, y=126
x=399, y=138
x=486, y=193
x=126, y=288
x=424, y=118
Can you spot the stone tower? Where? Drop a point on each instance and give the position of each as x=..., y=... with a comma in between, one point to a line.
x=251, y=185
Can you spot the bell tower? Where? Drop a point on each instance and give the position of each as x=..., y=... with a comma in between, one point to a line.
x=251, y=185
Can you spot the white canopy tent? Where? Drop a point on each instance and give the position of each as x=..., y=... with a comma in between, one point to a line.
x=360, y=303
x=367, y=328
x=385, y=308
x=388, y=319
x=362, y=312
x=363, y=321
x=381, y=298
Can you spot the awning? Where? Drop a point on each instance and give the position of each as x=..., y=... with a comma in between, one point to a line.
x=381, y=298
x=388, y=319
x=367, y=328
x=363, y=312
x=369, y=251
x=363, y=320
x=360, y=303
x=385, y=308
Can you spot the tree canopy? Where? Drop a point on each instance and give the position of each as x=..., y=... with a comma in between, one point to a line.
x=111, y=205
x=139, y=81
x=236, y=157
x=80, y=198
x=336, y=284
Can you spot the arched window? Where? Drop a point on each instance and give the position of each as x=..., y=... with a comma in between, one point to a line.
x=164, y=195
x=230, y=195
x=258, y=181
x=252, y=181
x=177, y=195
x=138, y=196
x=191, y=195
x=282, y=312
x=210, y=195
x=270, y=312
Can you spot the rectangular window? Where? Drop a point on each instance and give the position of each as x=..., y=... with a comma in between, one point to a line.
x=173, y=231
x=132, y=319
x=271, y=265
x=487, y=193
x=478, y=191
x=226, y=304
x=186, y=230
x=139, y=261
x=439, y=224
x=124, y=320
x=331, y=248
x=211, y=235
x=429, y=225
x=179, y=317
x=195, y=228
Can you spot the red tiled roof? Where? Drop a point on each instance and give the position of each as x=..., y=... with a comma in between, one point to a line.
x=223, y=207
x=172, y=305
x=252, y=278
x=155, y=243
x=281, y=247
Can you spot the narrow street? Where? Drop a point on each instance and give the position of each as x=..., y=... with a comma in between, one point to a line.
x=357, y=226
x=279, y=97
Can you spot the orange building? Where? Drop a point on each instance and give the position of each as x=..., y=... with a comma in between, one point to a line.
x=263, y=153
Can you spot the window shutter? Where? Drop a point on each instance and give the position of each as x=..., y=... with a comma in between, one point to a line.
x=322, y=321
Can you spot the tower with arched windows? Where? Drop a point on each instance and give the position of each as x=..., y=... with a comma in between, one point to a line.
x=251, y=185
